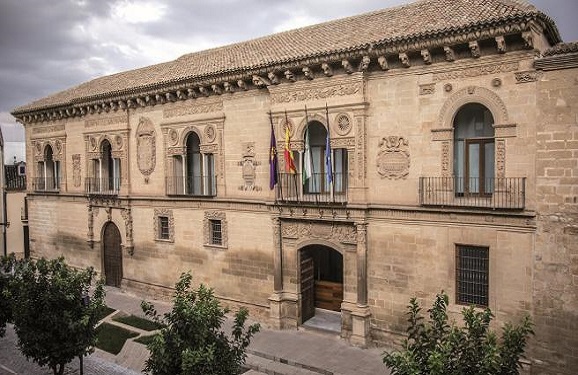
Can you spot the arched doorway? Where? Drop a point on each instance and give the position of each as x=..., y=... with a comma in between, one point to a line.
x=321, y=278
x=112, y=254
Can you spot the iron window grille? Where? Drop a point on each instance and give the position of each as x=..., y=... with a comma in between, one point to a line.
x=472, y=275
x=164, y=230
x=216, y=235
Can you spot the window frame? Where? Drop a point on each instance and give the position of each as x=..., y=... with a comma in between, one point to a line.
x=478, y=277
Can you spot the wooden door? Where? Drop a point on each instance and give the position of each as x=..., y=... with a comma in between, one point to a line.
x=307, y=287
x=112, y=255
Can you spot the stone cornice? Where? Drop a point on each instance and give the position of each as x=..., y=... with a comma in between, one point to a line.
x=383, y=55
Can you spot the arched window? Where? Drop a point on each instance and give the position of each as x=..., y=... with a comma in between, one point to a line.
x=474, y=150
x=194, y=172
x=48, y=171
x=106, y=174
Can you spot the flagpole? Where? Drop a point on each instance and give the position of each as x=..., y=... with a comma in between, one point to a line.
x=311, y=165
x=290, y=154
x=273, y=161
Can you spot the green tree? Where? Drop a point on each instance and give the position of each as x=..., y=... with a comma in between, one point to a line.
x=54, y=316
x=438, y=348
x=6, y=268
x=193, y=341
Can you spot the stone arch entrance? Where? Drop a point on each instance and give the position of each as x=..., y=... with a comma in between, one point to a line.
x=112, y=254
x=321, y=280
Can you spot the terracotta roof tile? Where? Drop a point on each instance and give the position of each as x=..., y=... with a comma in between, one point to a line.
x=387, y=26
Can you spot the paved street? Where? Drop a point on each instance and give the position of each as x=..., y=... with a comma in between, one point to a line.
x=271, y=352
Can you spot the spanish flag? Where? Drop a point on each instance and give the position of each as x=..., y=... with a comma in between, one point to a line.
x=272, y=157
x=289, y=161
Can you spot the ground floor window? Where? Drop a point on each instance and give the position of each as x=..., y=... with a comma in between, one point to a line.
x=472, y=275
x=163, y=229
x=216, y=235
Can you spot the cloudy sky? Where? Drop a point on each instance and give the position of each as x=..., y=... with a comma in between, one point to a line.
x=48, y=46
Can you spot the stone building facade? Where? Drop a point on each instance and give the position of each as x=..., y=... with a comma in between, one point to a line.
x=453, y=167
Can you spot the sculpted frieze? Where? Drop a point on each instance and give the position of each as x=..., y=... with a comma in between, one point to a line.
x=331, y=231
x=48, y=129
x=328, y=90
x=527, y=76
x=193, y=109
x=476, y=71
x=76, y=170
x=105, y=121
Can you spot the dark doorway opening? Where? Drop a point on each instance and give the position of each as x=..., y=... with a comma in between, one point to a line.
x=112, y=253
x=321, y=280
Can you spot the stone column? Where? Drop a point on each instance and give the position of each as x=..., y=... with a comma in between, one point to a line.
x=361, y=264
x=277, y=255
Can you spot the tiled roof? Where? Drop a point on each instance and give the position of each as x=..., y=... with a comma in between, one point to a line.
x=415, y=21
x=562, y=49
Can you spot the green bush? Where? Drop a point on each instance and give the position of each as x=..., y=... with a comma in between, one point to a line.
x=438, y=348
x=192, y=341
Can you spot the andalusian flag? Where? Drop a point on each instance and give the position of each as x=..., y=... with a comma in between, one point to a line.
x=289, y=161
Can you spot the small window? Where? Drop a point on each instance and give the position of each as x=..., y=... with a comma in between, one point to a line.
x=164, y=229
x=472, y=275
x=216, y=232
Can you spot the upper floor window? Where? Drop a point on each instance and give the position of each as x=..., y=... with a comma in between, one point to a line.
x=106, y=174
x=474, y=150
x=193, y=172
x=48, y=172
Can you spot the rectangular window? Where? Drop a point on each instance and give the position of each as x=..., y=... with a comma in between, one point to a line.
x=163, y=233
x=216, y=234
x=472, y=275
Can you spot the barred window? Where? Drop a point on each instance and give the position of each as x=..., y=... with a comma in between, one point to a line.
x=216, y=235
x=164, y=231
x=472, y=275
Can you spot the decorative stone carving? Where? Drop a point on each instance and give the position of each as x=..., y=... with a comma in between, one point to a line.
x=448, y=87
x=426, y=56
x=342, y=233
x=182, y=110
x=427, y=89
x=382, y=61
x=160, y=99
x=475, y=49
x=472, y=94
x=228, y=87
x=215, y=215
x=308, y=73
x=248, y=165
x=260, y=82
x=347, y=66
x=476, y=71
x=528, y=39
x=527, y=76
x=404, y=60
x=105, y=121
x=210, y=133
x=146, y=146
x=48, y=129
x=364, y=64
x=289, y=76
x=76, y=170
x=342, y=124
x=242, y=85
x=173, y=137
x=501, y=44
x=126, y=214
x=326, y=91
x=393, y=158
x=274, y=78
x=446, y=164
x=168, y=213
x=496, y=82
x=203, y=91
x=500, y=158
x=191, y=93
x=217, y=89
x=327, y=70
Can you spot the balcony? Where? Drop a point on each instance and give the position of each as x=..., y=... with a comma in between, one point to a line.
x=46, y=184
x=290, y=189
x=195, y=186
x=102, y=186
x=493, y=193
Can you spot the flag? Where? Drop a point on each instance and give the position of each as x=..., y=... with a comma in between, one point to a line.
x=272, y=158
x=289, y=161
x=307, y=158
x=328, y=164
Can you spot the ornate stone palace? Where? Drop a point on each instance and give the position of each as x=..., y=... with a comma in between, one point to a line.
x=451, y=127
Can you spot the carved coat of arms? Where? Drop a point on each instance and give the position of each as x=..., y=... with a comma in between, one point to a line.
x=393, y=157
x=146, y=146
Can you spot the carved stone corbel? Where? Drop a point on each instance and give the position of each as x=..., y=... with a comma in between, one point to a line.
x=289, y=75
x=501, y=44
x=450, y=54
x=382, y=61
x=475, y=49
x=228, y=87
x=404, y=58
x=217, y=89
x=170, y=97
x=308, y=73
x=426, y=56
x=274, y=78
x=260, y=82
x=347, y=66
x=242, y=85
x=327, y=70
x=149, y=100
x=191, y=93
x=528, y=39
x=203, y=90
x=364, y=64
x=160, y=99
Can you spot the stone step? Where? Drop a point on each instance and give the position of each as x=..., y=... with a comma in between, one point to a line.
x=278, y=367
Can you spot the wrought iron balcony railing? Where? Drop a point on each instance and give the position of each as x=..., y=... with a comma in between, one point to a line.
x=315, y=190
x=102, y=186
x=48, y=184
x=508, y=193
x=196, y=186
